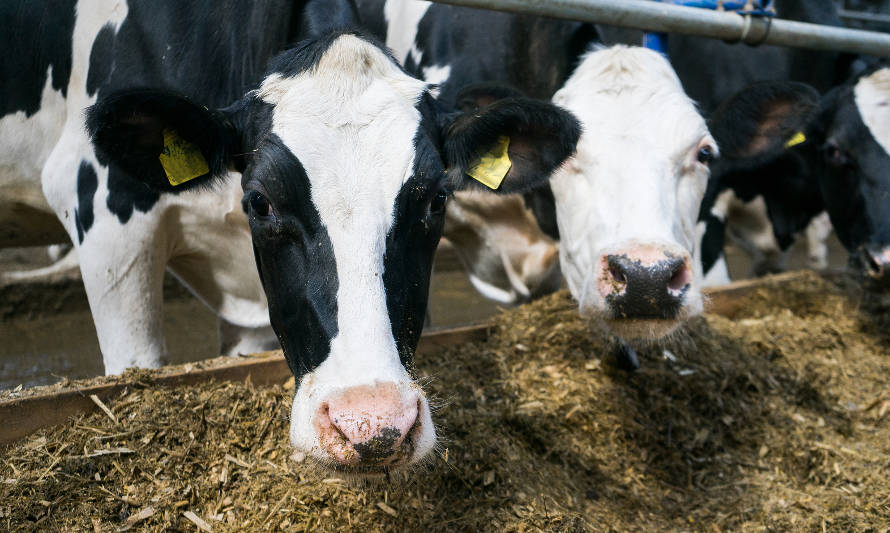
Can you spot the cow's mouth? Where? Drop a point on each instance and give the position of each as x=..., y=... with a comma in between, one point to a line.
x=642, y=328
x=385, y=451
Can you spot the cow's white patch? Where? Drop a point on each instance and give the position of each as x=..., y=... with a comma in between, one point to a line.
x=402, y=20
x=492, y=292
x=817, y=233
x=360, y=109
x=437, y=74
x=635, y=177
x=718, y=275
x=873, y=100
x=748, y=226
x=27, y=143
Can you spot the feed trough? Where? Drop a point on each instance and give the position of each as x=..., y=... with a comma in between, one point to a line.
x=770, y=411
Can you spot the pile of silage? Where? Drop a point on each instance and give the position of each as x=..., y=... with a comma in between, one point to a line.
x=778, y=418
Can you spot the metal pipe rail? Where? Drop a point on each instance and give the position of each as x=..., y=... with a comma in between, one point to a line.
x=661, y=17
x=877, y=18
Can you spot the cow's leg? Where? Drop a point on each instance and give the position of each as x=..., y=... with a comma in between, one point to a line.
x=237, y=340
x=123, y=276
x=61, y=267
x=817, y=233
x=121, y=250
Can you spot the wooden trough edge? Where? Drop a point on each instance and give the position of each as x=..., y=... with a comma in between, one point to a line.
x=19, y=417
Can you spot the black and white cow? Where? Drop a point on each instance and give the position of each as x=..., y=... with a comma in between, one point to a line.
x=852, y=136
x=61, y=57
x=839, y=162
x=346, y=162
x=58, y=58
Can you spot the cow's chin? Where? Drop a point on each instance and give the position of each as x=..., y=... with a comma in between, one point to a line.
x=642, y=329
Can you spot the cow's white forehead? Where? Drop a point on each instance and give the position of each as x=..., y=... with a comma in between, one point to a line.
x=351, y=122
x=873, y=100
x=630, y=93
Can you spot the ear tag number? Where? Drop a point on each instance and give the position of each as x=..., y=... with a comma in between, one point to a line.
x=797, y=138
x=182, y=160
x=493, y=166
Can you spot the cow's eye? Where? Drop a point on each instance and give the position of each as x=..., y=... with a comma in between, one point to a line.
x=705, y=154
x=256, y=203
x=834, y=155
x=437, y=205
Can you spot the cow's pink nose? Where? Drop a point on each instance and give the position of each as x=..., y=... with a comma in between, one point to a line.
x=368, y=425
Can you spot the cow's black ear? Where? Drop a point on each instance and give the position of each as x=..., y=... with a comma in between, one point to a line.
x=163, y=139
x=761, y=121
x=510, y=146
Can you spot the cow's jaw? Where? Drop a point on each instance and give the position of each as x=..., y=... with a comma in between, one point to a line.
x=627, y=203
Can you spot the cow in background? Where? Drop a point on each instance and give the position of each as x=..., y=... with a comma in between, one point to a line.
x=625, y=206
x=776, y=196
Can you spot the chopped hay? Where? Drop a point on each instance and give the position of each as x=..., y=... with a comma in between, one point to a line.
x=776, y=420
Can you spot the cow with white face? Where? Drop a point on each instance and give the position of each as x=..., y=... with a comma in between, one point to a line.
x=626, y=204
x=346, y=164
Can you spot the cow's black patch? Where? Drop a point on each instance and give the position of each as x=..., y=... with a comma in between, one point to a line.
x=294, y=255
x=419, y=220
x=35, y=37
x=100, y=59
x=712, y=241
x=712, y=70
x=126, y=195
x=543, y=207
x=87, y=183
x=533, y=54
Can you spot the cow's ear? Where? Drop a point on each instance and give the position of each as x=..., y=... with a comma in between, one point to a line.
x=163, y=139
x=510, y=146
x=761, y=121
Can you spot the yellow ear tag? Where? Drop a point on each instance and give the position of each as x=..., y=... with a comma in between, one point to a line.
x=493, y=166
x=796, y=139
x=182, y=160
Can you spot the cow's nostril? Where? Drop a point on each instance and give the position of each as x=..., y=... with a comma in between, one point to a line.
x=617, y=274
x=680, y=278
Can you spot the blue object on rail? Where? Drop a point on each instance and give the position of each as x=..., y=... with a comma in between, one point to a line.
x=658, y=41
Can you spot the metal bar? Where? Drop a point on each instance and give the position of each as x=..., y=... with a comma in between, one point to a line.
x=661, y=17
x=877, y=18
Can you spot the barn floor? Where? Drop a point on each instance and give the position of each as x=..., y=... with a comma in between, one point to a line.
x=775, y=420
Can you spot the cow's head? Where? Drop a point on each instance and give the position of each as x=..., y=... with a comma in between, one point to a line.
x=346, y=163
x=626, y=204
x=763, y=154
x=852, y=137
